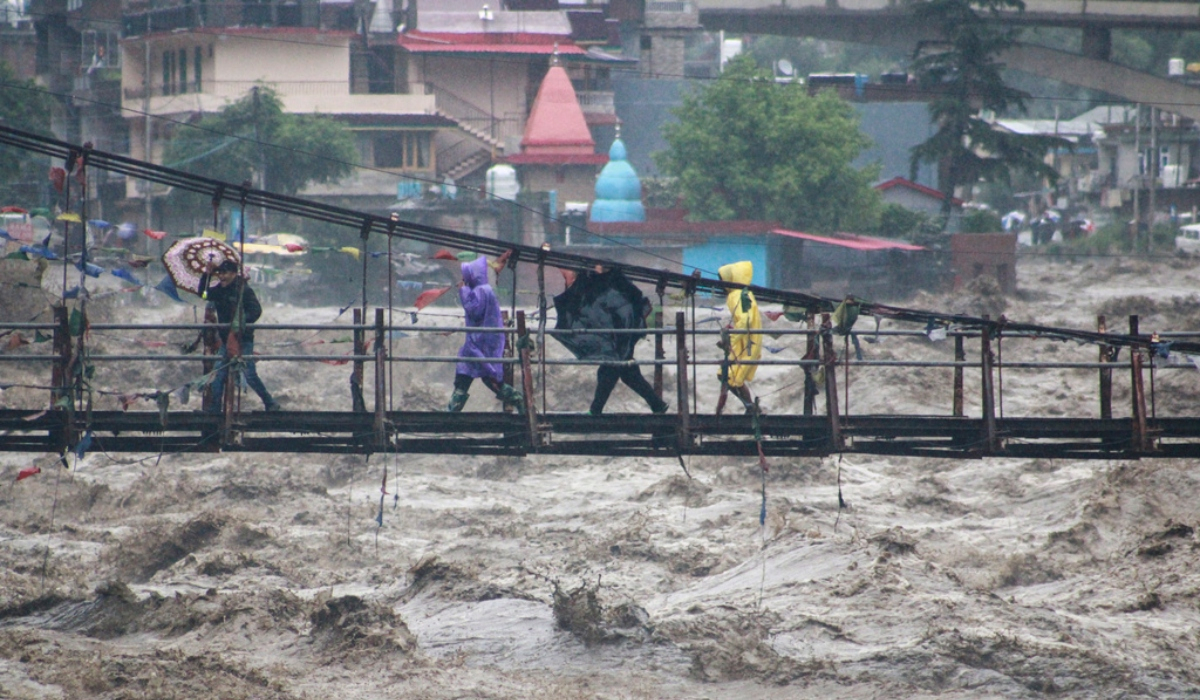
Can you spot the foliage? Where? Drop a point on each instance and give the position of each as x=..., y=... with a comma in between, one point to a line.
x=254, y=139
x=659, y=193
x=747, y=148
x=24, y=106
x=898, y=221
x=965, y=75
x=981, y=221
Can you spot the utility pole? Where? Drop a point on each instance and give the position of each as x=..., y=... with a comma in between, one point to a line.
x=1137, y=187
x=1154, y=172
x=262, y=161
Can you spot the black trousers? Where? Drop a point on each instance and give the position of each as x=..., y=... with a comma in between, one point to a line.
x=462, y=382
x=606, y=381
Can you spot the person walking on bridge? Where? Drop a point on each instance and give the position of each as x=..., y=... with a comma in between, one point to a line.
x=605, y=300
x=231, y=290
x=482, y=310
x=740, y=348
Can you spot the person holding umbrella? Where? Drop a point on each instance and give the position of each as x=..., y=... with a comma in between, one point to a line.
x=230, y=291
x=604, y=300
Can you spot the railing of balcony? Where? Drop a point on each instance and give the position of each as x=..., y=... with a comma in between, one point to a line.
x=669, y=6
x=596, y=101
x=236, y=88
x=239, y=14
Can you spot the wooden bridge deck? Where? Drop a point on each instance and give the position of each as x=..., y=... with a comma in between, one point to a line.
x=608, y=435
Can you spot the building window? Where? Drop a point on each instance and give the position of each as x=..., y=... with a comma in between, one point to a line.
x=198, y=56
x=645, y=42
x=183, y=82
x=168, y=71
x=403, y=150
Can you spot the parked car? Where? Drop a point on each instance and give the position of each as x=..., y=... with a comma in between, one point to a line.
x=1188, y=238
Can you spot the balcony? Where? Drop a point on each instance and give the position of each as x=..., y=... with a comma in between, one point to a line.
x=299, y=97
x=304, y=14
x=596, y=102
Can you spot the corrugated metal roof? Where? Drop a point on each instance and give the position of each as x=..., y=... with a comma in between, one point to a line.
x=488, y=42
x=850, y=241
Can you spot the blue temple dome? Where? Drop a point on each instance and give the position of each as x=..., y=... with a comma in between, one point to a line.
x=618, y=189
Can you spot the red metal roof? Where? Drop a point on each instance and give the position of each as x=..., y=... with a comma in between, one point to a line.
x=483, y=42
x=557, y=159
x=929, y=191
x=851, y=241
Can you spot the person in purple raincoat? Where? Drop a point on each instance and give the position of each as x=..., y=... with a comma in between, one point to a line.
x=483, y=311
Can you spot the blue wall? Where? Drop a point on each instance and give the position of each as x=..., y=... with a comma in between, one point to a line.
x=709, y=257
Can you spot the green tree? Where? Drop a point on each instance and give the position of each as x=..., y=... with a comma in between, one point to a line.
x=24, y=106
x=963, y=72
x=254, y=139
x=745, y=147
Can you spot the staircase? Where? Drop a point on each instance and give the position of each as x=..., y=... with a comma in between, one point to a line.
x=472, y=163
x=471, y=119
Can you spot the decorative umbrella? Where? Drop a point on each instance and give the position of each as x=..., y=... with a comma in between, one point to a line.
x=187, y=260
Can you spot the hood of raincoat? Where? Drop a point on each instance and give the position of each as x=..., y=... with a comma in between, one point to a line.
x=475, y=273
x=738, y=272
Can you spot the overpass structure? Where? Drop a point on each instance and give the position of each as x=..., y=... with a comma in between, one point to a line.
x=891, y=23
x=71, y=416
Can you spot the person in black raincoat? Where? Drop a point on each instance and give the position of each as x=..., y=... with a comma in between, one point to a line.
x=224, y=297
x=604, y=300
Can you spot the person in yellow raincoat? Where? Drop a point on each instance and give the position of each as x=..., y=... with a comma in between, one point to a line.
x=743, y=347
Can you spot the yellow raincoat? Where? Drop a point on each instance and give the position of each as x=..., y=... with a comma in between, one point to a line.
x=742, y=346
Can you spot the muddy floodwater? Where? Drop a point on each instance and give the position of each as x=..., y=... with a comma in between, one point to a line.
x=281, y=576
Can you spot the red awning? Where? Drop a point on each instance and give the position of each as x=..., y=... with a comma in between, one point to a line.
x=851, y=241
x=528, y=44
x=557, y=159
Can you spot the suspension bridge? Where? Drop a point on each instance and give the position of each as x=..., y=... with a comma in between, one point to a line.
x=68, y=421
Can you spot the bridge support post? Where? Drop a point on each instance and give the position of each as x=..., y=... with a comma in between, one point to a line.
x=987, y=389
x=1141, y=443
x=829, y=362
x=681, y=381
x=535, y=439
x=212, y=345
x=62, y=394
x=1097, y=43
x=810, y=353
x=509, y=343
x=358, y=404
x=381, y=433
x=960, y=355
x=1105, y=374
x=659, y=351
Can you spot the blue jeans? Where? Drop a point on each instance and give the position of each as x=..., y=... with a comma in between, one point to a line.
x=249, y=372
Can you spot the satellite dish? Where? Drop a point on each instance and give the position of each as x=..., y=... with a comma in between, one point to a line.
x=784, y=66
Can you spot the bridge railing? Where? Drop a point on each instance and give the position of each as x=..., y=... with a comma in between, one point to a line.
x=74, y=381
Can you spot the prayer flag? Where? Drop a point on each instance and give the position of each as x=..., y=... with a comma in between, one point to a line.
x=428, y=297
x=28, y=472
x=167, y=286
x=125, y=275
x=156, y=235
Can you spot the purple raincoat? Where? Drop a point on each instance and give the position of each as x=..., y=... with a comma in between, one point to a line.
x=483, y=311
